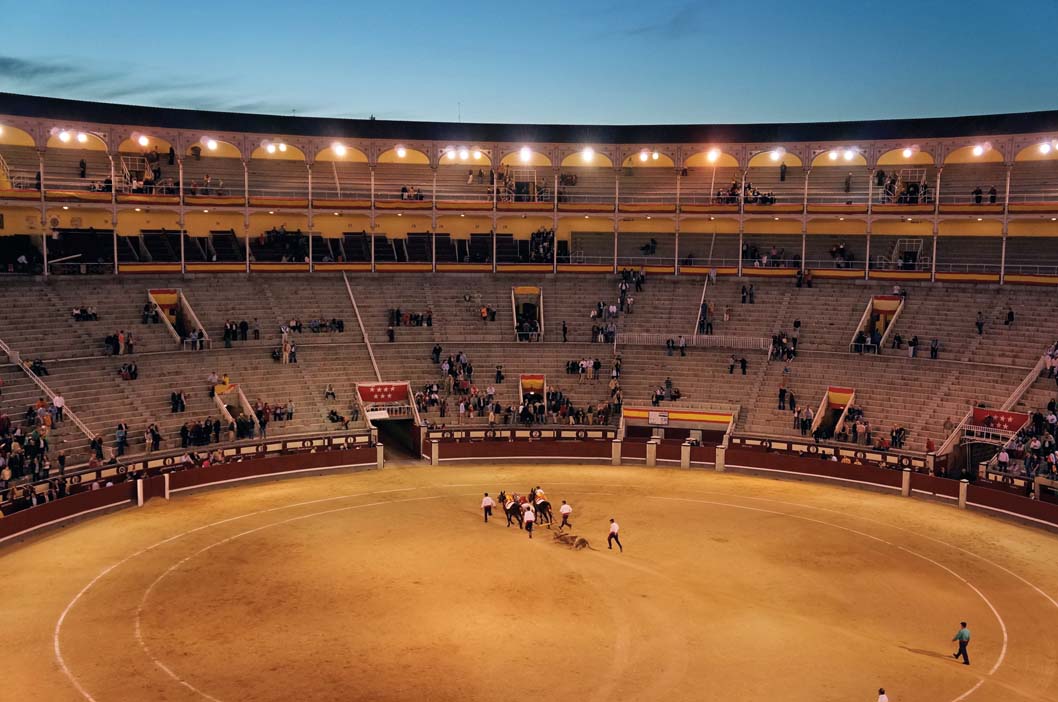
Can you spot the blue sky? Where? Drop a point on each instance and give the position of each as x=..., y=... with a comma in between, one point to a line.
x=543, y=61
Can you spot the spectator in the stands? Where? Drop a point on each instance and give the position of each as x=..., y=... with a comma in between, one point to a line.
x=980, y=324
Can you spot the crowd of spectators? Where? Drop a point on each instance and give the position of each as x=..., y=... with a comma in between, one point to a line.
x=893, y=188
x=665, y=392
x=542, y=246
x=737, y=190
x=200, y=433
x=398, y=318
x=240, y=331
x=84, y=314
x=119, y=343
x=274, y=412
x=774, y=257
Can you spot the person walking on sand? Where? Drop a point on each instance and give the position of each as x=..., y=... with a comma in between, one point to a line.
x=486, y=506
x=529, y=518
x=882, y=697
x=565, y=510
x=963, y=637
x=613, y=536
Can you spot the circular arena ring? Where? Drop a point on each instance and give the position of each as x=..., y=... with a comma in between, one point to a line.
x=388, y=585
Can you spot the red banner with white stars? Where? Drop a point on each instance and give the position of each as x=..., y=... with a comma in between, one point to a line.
x=1006, y=421
x=382, y=393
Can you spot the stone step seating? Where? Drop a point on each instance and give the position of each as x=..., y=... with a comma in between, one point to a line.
x=412, y=362
x=818, y=247
x=700, y=185
x=1026, y=254
x=647, y=185
x=391, y=178
x=226, y=175
x=959, y=180
x=452, y=184
x=278, y=178
x=105, y=399
x=592, y=247
x=710, y=249
x=593, y=185
x=948, y=312
x=891, y=391
x=702, y=376
x=1034, y=181
x=969, y=254
x=788, y=192
x=20, y=392
x=1038, y=395
x=826, y=184
x=629, y=249
x=41, y=326
x=453, y=316
x=787, y=249
x=353, y=181
x=21, y=160
x=273, y=302
x=62, y=170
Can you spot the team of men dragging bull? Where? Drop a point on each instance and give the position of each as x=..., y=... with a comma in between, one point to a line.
x=527, y=509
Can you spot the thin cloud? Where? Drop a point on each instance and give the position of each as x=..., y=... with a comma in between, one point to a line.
x=683, y=22
x=64, y=78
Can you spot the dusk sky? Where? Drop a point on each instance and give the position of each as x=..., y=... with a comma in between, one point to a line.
x=547, y=61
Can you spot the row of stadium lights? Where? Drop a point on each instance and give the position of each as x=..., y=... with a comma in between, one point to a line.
x=526, y=154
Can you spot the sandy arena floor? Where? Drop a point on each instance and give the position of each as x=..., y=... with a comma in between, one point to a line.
x=386, y=585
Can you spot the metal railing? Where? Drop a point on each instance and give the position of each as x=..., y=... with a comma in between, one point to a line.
x=141, y=465
x=695, y=341
x=15, y=358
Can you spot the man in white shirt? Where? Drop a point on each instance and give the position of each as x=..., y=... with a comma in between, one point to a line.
x=486, y=506
x=615, y=528
x=565, y=510
x=529, y=518
x=882, y=697
x=59, y=403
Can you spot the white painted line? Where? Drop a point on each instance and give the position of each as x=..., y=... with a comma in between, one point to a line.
x=995, y=612
x=265, y=475
x=150, y=588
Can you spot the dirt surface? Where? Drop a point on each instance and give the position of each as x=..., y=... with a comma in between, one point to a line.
x=387, y=585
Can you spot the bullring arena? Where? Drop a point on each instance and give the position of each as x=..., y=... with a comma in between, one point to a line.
x=363, y=585
x=258, y=373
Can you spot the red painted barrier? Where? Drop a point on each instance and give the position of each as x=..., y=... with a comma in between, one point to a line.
x=703, y=454
x=543, y=448
x=252, y=468
x=935, y=485
x=812, y=466
x=65, y=508
x=1015, y=505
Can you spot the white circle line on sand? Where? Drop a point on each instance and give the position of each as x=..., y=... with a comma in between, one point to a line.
x=150, y=588
x=61, y=660
x=175, y=566
x=75, y=682
x=935, y=540
x=988, y=603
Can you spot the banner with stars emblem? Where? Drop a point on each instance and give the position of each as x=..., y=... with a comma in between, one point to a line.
x=383, y=393
x=997, y=419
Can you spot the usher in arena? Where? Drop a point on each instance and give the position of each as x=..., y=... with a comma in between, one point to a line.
x=762, y=411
